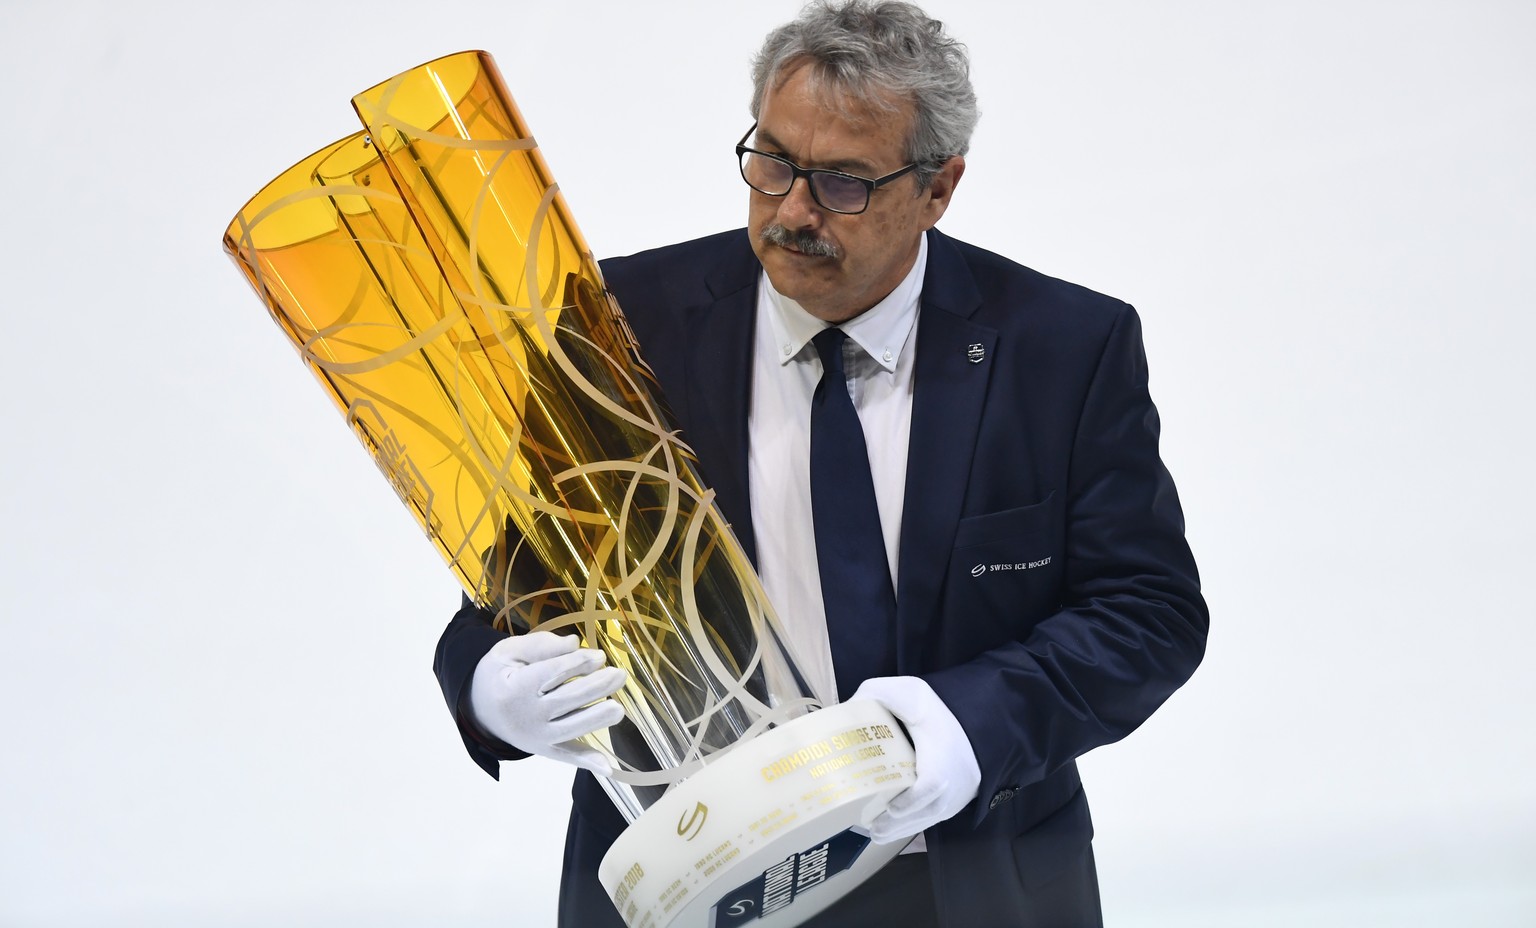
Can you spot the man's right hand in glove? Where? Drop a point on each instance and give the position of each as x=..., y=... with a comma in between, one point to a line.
x=532, y=691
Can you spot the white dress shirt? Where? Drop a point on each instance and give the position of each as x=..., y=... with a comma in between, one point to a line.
x=878, y=359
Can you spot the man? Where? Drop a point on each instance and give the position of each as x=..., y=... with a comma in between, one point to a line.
x=1022, y=591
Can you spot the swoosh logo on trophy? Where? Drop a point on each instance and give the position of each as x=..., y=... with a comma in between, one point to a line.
x=692, y=822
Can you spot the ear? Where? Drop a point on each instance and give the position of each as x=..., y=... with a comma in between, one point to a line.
x=936, y=197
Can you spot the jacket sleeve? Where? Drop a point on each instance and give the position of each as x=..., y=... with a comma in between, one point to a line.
x=467, y=638
x=1131, y=625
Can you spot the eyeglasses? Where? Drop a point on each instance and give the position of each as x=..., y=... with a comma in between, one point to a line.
x=833, y=190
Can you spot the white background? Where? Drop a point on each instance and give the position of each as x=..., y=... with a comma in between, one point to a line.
x=216, y=705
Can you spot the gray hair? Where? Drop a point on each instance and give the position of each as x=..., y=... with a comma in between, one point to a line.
x=871, y=51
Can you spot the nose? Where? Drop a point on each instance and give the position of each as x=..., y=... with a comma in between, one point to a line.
x=797, y=208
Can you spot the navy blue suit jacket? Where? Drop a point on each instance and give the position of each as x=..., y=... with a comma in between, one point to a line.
x=1045, y=590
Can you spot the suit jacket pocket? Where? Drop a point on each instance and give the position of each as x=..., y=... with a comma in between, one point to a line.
x=1005, y=572
x=1005, y=525
x=1056, y=842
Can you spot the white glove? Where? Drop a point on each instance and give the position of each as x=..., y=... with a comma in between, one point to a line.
x=947, y=773
x=530, y=690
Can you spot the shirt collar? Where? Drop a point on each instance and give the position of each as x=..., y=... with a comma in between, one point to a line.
x=883, y=331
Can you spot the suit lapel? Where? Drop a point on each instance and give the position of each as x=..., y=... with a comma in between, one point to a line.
x=948, y=394
x=720, y=339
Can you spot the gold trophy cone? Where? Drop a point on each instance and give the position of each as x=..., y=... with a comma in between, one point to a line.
x=430, y=276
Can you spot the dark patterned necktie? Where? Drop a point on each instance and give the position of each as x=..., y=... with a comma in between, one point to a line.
x=850, y=551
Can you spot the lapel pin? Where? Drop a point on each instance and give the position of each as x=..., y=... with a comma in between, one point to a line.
x=975, y=353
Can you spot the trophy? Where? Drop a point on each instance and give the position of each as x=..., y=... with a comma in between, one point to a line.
x=429, y=274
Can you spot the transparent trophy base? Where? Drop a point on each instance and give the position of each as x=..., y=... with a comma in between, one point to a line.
x=769, y=834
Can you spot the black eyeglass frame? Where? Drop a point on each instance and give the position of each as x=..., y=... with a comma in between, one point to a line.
x=797, y=172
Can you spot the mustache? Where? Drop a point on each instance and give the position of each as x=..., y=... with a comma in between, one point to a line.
x=802, y=241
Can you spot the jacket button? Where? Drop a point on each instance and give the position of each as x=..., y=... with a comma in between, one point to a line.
x=1003, y=795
